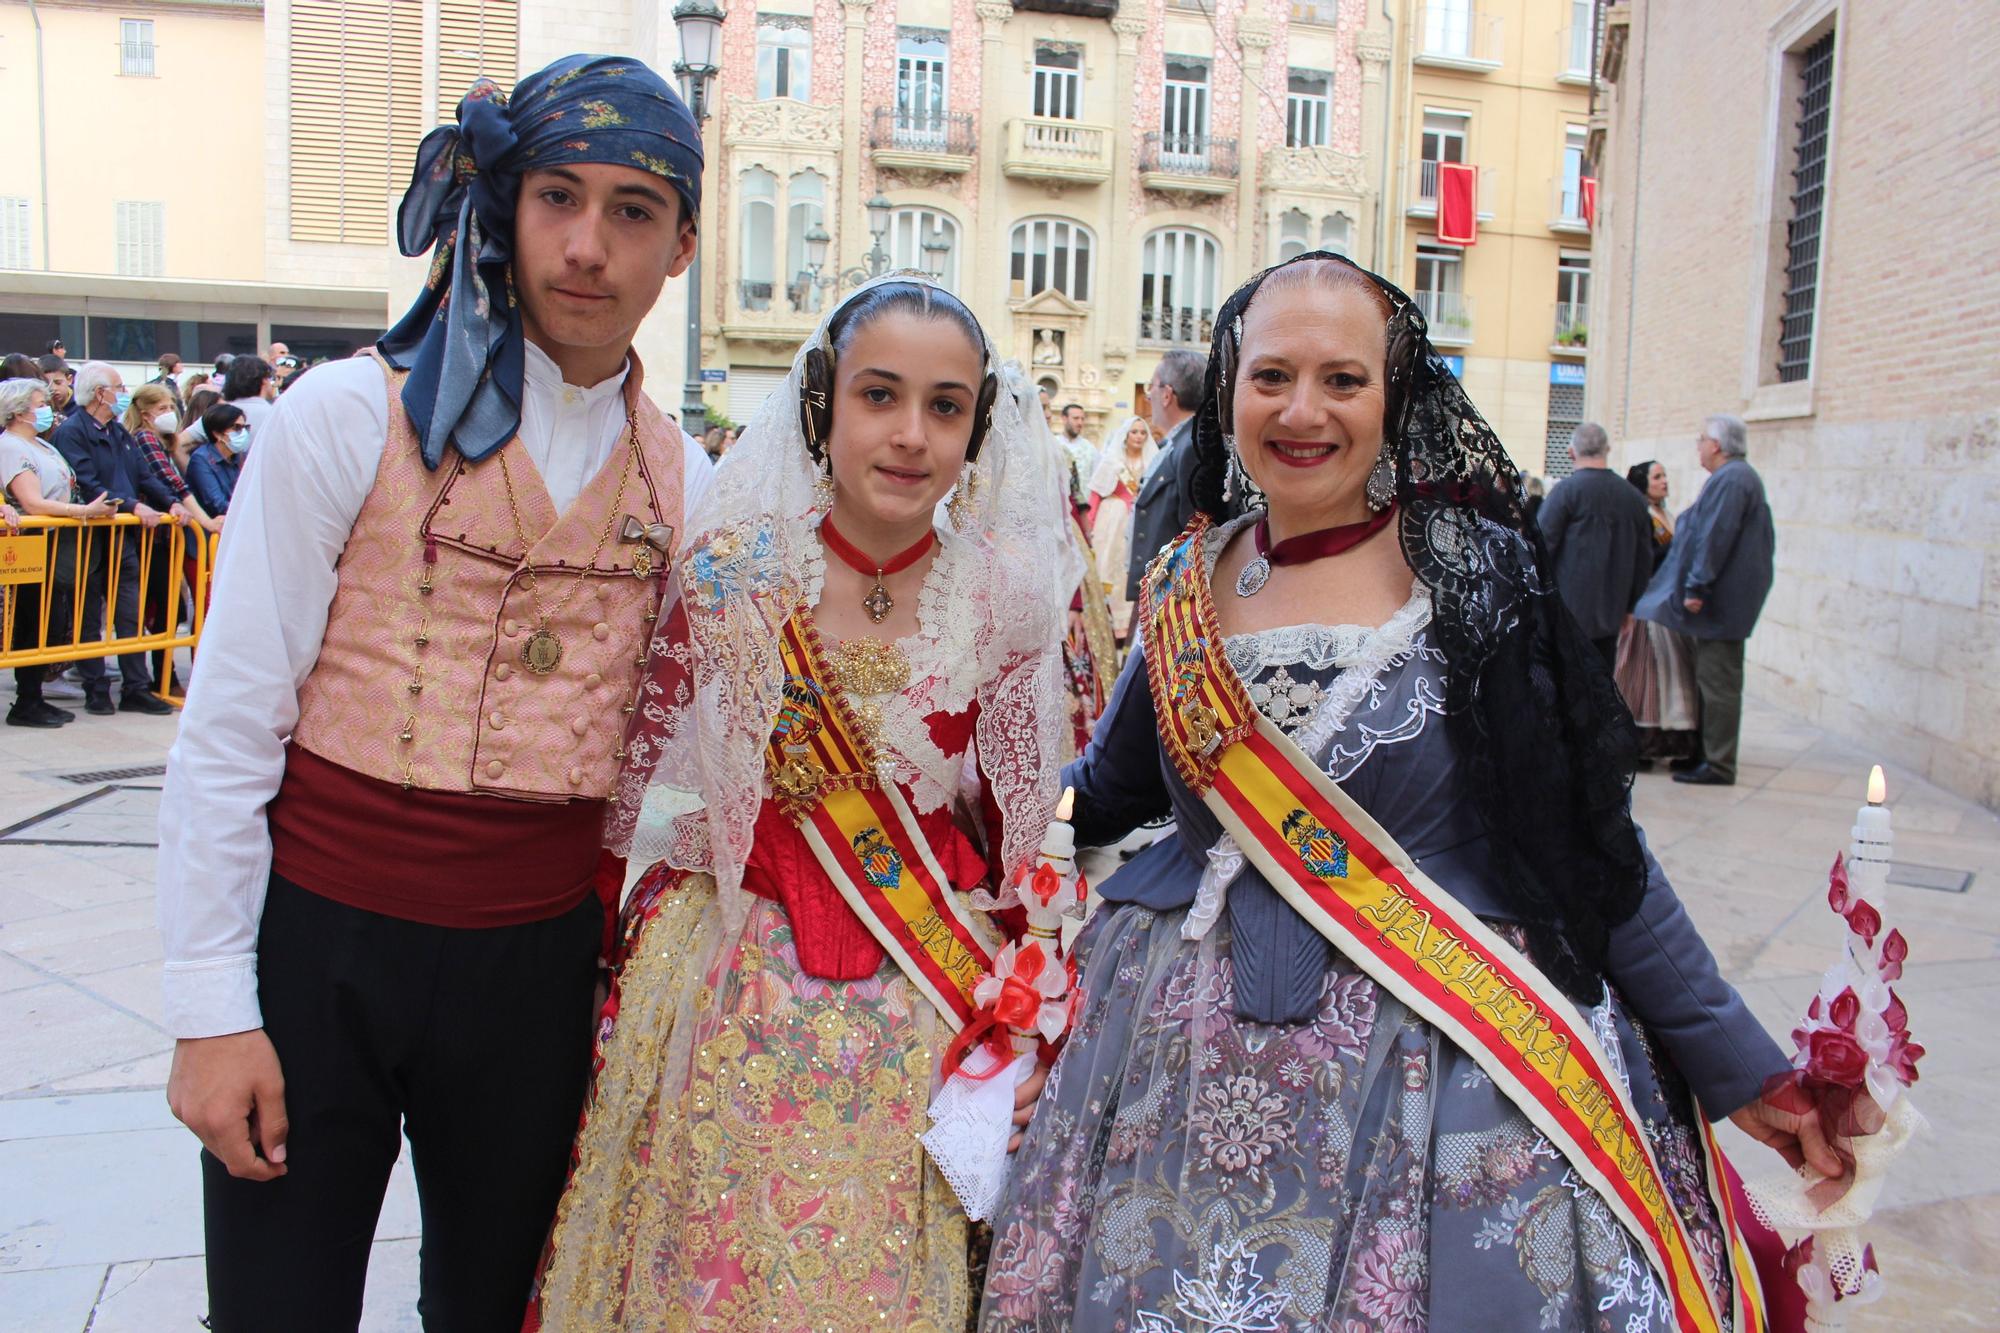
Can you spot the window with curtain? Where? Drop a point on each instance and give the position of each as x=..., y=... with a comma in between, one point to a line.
x=922, y=83
x=910, y=228
x=784, y=57
x=1308, y=108
x=805, y=209
x=1050, y=254
x=1177, y=285
x=1058, y=81
x=758, y=193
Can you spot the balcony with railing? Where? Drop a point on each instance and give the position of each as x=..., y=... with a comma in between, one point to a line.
x=1449, y=315
x=1458, y=36
x=1573, y=62
x=1057, y=152
x=753, y=295
x=939, y=142
x=768, y=312
x=1187, y=164
x=1566, y=207
x=1176, y=326
x=1424, y=191
x=1572, y=327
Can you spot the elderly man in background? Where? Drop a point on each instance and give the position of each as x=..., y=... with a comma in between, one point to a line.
x=1165, y=502
x=108, y=463
x=1712, y=587
x=1600, y=540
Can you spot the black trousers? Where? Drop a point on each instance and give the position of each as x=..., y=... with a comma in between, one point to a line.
x=134, y=676
x=476, y=1043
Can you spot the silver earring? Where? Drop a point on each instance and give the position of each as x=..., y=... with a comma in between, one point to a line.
x=1382, y=483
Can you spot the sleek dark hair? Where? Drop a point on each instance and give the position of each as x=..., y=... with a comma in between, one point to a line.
x=1641, y=475
x=20, y=366
x=53, y=344
x=863, y=309
x=218, y=420
x=1183, y=371
x=1067, y=406
x=170, y=360
x=204, y=397
x=49, y=365
x=245, y=378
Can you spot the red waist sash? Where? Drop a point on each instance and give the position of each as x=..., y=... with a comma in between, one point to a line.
x=440, y=858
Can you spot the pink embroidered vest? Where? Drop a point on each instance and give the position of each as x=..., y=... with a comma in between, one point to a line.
x=426, y=676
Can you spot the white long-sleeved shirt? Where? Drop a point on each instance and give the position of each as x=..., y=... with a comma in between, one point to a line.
x=312, y=465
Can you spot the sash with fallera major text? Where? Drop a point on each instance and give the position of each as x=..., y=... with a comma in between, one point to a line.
x=1344, y=874
x=822, y=774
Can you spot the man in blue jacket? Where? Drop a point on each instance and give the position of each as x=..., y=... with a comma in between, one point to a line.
x=107, y=462
x=1712, y=585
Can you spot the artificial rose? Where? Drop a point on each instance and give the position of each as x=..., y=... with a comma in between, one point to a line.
x=1864, y=920
x=1835, y=1057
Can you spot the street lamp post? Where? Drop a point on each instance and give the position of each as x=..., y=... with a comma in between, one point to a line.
x=873, y=264
x=699, y=23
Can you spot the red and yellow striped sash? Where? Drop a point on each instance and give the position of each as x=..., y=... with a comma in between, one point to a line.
x=822, y=774
x=1342, y=872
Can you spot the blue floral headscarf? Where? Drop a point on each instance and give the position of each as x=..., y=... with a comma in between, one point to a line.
x=462, y=340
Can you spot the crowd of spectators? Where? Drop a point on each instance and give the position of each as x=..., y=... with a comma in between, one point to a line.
x=77, y=442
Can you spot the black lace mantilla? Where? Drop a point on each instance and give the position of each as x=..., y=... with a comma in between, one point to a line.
x=1534, y=715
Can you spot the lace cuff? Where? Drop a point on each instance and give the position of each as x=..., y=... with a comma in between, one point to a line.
x=1225, y=863
x=971, y=1120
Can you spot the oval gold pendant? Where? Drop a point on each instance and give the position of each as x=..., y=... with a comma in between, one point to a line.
x=541, y=652
x=642, y=563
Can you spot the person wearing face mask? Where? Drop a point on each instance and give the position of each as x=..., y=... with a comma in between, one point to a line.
x=40, y=483
x=214, y=467
x=152, y=420
x=61, y=381
x=252, y=385
x=106, y=461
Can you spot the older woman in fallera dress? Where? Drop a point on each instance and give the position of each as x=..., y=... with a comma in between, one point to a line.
x=1309, y=1084
x=857, y=708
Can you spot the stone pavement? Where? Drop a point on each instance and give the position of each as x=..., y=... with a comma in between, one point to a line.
x=100, y=1224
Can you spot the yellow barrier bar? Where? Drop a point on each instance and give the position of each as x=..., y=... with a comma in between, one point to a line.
x=113, y=533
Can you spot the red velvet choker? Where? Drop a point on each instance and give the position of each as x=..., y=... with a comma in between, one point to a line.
x=1304, y=548
x=877, y=603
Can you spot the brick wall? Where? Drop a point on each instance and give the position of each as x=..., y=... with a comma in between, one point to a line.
x=1885, y=619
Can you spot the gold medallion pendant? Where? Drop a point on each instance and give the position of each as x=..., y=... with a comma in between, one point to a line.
x=542, y=652
x=642, y=563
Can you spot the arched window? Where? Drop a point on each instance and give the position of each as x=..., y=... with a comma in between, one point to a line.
x=1177, y=270
x=1050, y=253
x=910, y=229
x=805, y=209
x=1294, y=234
x=1336, y=233
x=759, y=194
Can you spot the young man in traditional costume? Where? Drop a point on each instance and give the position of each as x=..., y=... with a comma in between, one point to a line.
x=440, y=584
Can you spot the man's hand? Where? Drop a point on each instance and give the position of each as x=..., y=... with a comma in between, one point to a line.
x=231, y=1093
x=179, y=512
x=147, y=514
x=1025, y=1098
x=1693, y=605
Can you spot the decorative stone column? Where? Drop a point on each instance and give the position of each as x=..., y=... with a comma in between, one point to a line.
x=1253, y=33
x=1117, y=305
x=852, y=242
x=1372, y=49
x=976, y=252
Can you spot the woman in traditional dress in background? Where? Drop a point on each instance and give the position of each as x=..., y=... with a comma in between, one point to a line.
x=851, y=741
x=1655, y=668
x=1114, y=487
x=1317, y=1079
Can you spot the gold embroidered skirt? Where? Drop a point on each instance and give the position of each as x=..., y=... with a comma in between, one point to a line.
x=750, y=1155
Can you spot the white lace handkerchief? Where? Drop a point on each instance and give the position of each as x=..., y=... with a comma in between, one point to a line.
x=971, y=1121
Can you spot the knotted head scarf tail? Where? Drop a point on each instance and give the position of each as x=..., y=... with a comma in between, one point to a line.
x=1546, y=744
x=462, y=341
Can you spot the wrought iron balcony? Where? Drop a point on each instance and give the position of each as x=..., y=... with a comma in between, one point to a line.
x=933, y=133
x=1424, y=190
x=1187, y=164
x=1572, y=324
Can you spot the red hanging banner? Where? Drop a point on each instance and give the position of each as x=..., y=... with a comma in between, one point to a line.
x=1458, y=203
x=1588, y=189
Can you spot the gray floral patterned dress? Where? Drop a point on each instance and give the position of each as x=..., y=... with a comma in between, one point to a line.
x=1244, y=1133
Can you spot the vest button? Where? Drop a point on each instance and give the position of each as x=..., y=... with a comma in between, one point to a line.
x=501, y=671
x=578, y=725
x=496, y=719
x=600, y=631
x=494, y=768
x=510, y=628
x=593, y=680
x=575, y=776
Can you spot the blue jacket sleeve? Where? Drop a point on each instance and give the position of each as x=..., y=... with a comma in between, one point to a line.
x=1717, y=537
x=1664, y=970
x=90, y=482
x=1118, y=781
x=207, y=487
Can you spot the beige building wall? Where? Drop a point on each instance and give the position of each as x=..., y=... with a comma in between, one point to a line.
x=113, y=136
x=1505, y=67
x=1882, y=463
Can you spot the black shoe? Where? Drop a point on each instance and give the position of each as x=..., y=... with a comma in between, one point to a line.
x=33, y=715
x=145, y=703
x=98, y=705
x=1703, y=775
x=60, y=714
x=1684, y=763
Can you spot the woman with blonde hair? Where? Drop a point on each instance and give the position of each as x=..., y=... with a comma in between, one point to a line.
x=1114, y=485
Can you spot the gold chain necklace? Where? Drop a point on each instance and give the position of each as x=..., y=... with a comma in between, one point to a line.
x=543, y=651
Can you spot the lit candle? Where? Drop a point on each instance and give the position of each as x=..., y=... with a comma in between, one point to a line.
x=1059, y=843
x=1868, y=855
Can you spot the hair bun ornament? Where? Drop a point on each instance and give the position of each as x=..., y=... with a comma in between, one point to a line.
x=816, y=401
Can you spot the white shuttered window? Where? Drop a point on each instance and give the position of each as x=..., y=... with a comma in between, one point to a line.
x=13, y=232
x=141, y=239
x=357, y=114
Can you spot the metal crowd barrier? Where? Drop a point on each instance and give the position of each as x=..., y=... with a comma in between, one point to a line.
x=45, y=554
